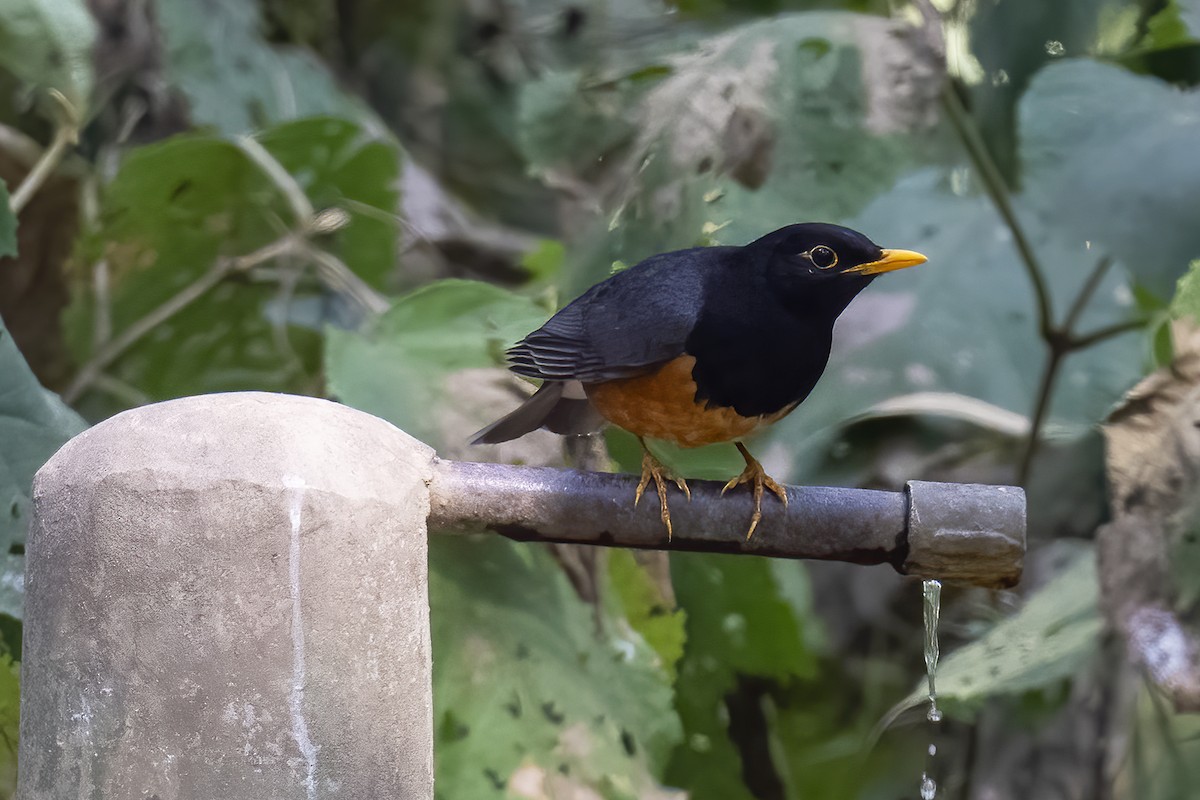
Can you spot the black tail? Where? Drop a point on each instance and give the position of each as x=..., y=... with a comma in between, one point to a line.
x=547, y=408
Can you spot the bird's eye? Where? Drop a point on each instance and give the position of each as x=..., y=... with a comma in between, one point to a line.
x=823, y=257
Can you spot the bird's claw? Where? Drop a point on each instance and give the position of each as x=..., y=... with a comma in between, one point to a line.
x=652, y=469
x=755, y=475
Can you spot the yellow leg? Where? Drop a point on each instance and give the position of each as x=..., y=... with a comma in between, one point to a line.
x=754, y=474
x=652, y=468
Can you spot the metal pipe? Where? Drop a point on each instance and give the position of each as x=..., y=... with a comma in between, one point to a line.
x=962, y=533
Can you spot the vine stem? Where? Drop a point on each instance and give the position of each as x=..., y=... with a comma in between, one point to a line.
x=66, y=134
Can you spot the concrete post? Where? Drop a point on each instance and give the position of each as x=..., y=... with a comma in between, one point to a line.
x=226, y=598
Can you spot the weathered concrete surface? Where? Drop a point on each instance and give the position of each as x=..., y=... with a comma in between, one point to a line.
x=226, y=598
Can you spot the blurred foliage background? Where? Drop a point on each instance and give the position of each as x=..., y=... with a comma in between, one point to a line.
x=369, y=201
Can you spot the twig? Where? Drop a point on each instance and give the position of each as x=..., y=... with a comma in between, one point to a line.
x=335, y=274
x=1085, y=293
x=1041, y=406
x=298, y=200
x=1107, y=332
x=66, y=134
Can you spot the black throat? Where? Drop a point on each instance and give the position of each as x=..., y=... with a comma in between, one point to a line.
x=765, y=350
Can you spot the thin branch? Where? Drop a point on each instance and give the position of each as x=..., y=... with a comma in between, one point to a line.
x=66, y=134
x=1107, y=332
x=297, y=198
x=997, y=189
x=1041, y=407
x=1086, y=291
x=334, y=273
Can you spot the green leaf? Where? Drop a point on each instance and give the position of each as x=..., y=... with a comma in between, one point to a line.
x=741, y=621
x=10, y=699
x=545, y=261
x=233, y=78
x=48, y=44
x=1176, y=25
x=1186, y=302
x=340, y=163
x=522, y=681
x=34, y=423
x=1050, y=639
x=398, y=367
x=647, y=610
x=177, y=207
x=1011, y=43
x=8, y=224
x=1106, y=176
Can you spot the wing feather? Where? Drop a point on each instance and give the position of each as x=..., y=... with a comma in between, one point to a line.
x=626, y=325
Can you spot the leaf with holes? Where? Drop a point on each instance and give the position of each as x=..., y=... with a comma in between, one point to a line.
x=177, y=208
x=524, y=687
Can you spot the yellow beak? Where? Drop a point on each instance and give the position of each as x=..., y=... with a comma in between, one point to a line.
x=892, y=260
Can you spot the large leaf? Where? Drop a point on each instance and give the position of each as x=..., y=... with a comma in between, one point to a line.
x=8, y=225
x=10, y=717
x=177, y=207
x=1010, y=42
x=1111, y=156
x=528, y=694
x=233, y=78
x=33, y=424
x=48, y=43
x=1178, y=23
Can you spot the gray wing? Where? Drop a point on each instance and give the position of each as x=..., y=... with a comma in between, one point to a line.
x=625, y=325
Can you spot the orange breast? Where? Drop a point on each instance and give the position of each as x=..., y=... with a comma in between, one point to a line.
x=662, y=405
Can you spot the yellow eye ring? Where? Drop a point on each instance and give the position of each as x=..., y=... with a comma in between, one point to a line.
x=822, y=257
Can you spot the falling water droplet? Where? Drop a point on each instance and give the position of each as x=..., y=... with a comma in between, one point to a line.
x=1055, y=48
x=1000, y=77
x=928, y=788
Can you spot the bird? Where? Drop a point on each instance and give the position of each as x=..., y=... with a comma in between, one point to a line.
x=696, y=347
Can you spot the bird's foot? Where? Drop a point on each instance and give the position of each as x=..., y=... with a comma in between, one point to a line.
x=755, y=474
x=652, y=468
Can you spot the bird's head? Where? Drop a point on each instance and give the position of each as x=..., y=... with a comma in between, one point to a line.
x=818, y=258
